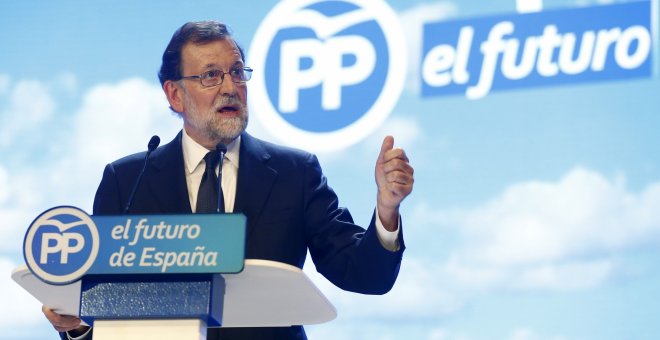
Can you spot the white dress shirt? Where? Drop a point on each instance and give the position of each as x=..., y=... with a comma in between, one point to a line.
x=193, y=158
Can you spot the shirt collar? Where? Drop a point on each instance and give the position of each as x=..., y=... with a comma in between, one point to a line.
x=193, y=152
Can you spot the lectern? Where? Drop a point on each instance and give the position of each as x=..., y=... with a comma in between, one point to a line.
x=161, y=276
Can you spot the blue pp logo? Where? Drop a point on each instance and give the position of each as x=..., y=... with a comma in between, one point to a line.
x=61, y=245
x=327, y=72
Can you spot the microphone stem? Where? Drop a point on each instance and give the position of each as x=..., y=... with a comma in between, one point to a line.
x=220, y=196
x=153, y=144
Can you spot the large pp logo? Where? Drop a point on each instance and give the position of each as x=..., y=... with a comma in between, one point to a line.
x=61, y=245
x=327, y=73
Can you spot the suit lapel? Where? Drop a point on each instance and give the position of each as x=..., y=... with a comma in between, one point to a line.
x=255, y=180
x=168, y=181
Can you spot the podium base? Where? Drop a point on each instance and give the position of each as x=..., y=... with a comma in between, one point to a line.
x=149, y=329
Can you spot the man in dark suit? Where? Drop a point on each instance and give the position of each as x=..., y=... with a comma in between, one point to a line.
x=282, y=191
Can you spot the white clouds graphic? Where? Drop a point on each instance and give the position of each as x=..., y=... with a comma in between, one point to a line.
x=114, y=120
x=584, y=214
x=415, y=296
x=21, y=194
x=118, y=119
x=20, y=309
x=560, y=235
x=4, y=185
x=30, y=105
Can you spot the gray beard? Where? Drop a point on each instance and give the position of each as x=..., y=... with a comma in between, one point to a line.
x=216, y=128
x=225, y=130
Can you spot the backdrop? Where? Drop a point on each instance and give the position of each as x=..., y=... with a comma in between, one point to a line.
x=532, y=127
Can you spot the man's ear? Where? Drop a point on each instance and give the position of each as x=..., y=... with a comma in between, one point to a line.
x=174, y=94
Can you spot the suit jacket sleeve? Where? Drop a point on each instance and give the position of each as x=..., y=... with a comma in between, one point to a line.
x=347, y=255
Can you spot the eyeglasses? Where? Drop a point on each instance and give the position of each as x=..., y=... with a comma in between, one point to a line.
x=238, y=75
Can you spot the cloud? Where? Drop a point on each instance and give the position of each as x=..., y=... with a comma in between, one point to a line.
x=419, y=295
x=114, y=120
x=21, y=192
x=584, y=214
x=30, y=105
x=562, y=235
x=4, y=185
x=118, y=119
x=20, y=309
x=565, y=276
x=412, y=21
x=14, y=219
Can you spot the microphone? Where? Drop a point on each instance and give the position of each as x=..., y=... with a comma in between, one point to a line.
x=221, y=149
x=153, y=144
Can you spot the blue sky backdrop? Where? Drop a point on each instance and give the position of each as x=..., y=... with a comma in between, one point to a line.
x=535, y=212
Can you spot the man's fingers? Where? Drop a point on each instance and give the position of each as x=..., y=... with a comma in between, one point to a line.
x=398, y=165
x=394, y=153
x=399, y=177
x=388, y=144
x=401, y=190
x=61, y=323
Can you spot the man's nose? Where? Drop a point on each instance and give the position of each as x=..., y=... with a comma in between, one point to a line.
x=227, y=87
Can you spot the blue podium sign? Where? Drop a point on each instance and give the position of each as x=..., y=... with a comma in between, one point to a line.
x=64, y=243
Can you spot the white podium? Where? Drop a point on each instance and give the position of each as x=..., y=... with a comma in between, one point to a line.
x=264, y=294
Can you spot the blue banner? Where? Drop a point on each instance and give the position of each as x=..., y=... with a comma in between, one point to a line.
x=553, y=47
x=64, y=243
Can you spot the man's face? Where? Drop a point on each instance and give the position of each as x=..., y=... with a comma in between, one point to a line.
x=212, y=114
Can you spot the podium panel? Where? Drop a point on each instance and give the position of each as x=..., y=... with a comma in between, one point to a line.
x=149, y=329
x=264, y=294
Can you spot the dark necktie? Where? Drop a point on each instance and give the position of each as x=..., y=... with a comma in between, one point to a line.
x=207, y=196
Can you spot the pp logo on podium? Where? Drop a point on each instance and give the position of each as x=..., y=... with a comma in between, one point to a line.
x=61, y=245
x=328, y=73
